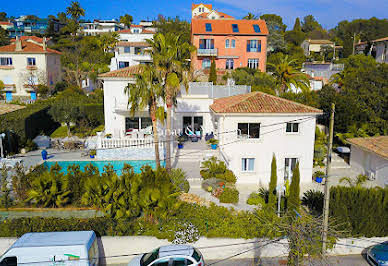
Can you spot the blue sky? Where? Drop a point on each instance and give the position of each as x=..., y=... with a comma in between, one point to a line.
x=328, y=12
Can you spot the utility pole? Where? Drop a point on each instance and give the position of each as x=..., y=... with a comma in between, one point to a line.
x=354, y=43
x=327, y=187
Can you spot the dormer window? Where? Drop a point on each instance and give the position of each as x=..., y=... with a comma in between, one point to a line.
x=235, y=28
x=256, y=28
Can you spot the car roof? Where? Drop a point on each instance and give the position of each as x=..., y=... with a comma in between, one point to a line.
x=172, y=250
x=72, y=238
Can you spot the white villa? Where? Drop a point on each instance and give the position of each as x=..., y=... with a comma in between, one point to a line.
x=101, y=26
x=130, y=50
x=26, y=63
x=250, y=126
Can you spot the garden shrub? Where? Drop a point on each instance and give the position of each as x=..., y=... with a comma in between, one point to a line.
x=313, y=199
x=229, y=195
x=214, y=168
x=179, y=179
x=361, y=211
x=213, y=183
x=255, y=199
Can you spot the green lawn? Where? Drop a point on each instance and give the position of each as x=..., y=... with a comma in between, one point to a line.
x=61, y=132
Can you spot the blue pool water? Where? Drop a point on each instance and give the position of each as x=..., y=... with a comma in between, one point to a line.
x=117, y=165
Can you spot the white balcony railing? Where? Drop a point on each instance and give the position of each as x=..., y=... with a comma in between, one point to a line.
x=106, y=143
x=207, y=52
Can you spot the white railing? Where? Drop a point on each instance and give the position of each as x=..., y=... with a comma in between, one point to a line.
x=214, y=91
x=106, y=143
x=207, y=52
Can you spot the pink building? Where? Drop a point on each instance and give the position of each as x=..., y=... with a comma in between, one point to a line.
x=231, y=43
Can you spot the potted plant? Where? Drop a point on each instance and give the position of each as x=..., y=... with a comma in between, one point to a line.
x=180, y=140
x=92, y=153
x=108, y=136
x=213, y=142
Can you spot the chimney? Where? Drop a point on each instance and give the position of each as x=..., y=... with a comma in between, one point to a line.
x=44, y=43
x=18, y=44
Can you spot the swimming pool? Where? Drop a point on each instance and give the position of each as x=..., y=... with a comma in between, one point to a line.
x=117, y=165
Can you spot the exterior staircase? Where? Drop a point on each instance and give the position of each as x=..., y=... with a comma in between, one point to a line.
x=338, y=163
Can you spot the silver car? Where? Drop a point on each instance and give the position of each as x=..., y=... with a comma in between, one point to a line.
x=171, y=255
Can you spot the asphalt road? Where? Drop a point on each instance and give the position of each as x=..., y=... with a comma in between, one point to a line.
x=353, y=260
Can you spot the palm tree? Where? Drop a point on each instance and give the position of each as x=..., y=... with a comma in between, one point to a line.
x=286, y=75
x=170, y=58
x=357, y=183
x=250, y=16
x=75, y=10
x=145, y=93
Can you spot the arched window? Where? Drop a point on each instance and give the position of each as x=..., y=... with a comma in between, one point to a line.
x=227, y=43
x=233, y=44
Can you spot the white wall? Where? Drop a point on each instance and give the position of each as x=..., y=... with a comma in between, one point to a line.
x=135, y=37
x=113, y=247
x=273, y=140
x=47, y=65
x=363, y=161
x=382, y=52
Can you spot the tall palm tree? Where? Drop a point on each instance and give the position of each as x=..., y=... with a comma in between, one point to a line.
x=250, y=16
x=286, y=74
x=75, y=10
x=170, y=58
x=145, y=93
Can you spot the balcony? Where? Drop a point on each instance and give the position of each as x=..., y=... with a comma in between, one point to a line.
x=207, y=52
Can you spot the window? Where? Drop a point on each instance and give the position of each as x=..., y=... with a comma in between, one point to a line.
x=5, y=61
x=289, y=166
x=229, y=64
x=206, y=44
x=137, y=31
x=149, y=257
x=146, y=122
x=206, y=63
x=208, y=27
x=248, y=164
x=249, y=130
x=123, y=64
x=181, y=262
x=137, y=123
x=127, y=50
x=31, y=61
x=254, y=46
x=292, y=127
x=233, y=44
x=235, y=27
x=227, y=43
x=256, y=28
x=253, y=63
x=9, y=261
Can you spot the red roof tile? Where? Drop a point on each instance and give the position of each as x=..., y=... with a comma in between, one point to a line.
x=136, y=26
x=126, y=72
x=224, y=27
x=33, y=38
x=6, y=23
x=208, y=6
x=28, y=47
x=259, y=102
x=133, y=44
x=378, y=145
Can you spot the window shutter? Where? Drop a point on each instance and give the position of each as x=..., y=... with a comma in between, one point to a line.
x=248, y=46
x=259, y=46
x=212, y=44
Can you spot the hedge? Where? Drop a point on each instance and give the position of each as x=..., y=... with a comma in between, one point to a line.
x=360, y=211
x=29, y=122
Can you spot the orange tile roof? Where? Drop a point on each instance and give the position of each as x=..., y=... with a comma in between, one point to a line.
x=5, y=23
x=146, y=32
x=208, y=6
x=224, y=15
x=381, y=39
x=320, y=42
x=259, y=102
x=224, y=27
x=28, y=47
x=133, y=44
x=8, y=108
x=378, y=145
x=126, y=72
x=33, y=38
x=136, y=26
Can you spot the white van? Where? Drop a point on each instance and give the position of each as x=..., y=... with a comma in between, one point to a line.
x=53, y=248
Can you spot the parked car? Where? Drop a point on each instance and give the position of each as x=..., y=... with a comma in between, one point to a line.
x=53, y=248
x=171, y=255
x=378, y=254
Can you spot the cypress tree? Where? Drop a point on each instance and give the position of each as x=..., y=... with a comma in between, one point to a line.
x=213, y=73
x=294, y=200
x=297, y=26
x=273, y=182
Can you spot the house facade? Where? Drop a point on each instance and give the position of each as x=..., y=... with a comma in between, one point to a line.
x=23, y=26
x=27, y=63
x=230, y=43
x=131, y=49
x=250, y=126
x=369, y=156
x=381, y=48
x=101, y=26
